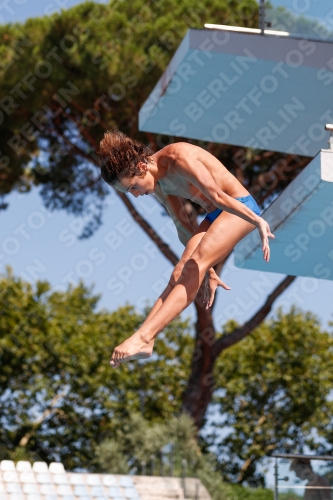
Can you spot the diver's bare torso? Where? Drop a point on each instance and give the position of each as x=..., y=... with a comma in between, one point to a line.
x=173, y=183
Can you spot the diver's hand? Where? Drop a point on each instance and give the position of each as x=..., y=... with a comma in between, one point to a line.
x=265, y=233
x=212, y=281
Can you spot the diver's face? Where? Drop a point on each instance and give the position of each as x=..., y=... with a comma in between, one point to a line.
x=139, y=185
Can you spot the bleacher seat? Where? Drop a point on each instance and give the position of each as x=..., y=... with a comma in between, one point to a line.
x=7, y=465
x=131, y=493
x=109, y=480
x=81, y=491
x=77, y=479
x=41, y=482
x=57, y=468
x=10, y=477
x=97, y=491
x=27, y=477
x=93, y=479
x=64, y=490
x=43, y=478
x=23, y=466
x=30, y=489
x=13, y=488
x=16, y=496
x=40, y=467
x=115, y=493
x=60, y=478
x=47, y=489
x=125, y=481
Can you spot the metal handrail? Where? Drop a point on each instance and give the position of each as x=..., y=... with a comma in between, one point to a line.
x=184, y=475
x=293, y=456
x=262, y=17
x=311, y=457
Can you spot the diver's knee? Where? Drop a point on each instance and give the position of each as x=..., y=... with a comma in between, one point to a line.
x=199, y=257
x=176, y=273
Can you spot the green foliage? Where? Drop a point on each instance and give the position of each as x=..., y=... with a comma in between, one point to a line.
x=59, y=394
x=220, y=490
x=324, y=428
x=275, y=387
x=241, y=493
x=138, y=439
x=289, y=495
x=60, y=398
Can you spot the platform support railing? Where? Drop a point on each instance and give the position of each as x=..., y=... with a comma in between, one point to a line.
x=184, y=474
x=262, y=23
x=329, y=126
x=276, y=493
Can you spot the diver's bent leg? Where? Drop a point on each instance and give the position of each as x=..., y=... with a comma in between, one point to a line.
x=215, y=246
x=189, y=249
x=222, y=236
x=181, y=296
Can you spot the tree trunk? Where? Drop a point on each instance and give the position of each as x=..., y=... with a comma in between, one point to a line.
x=199, y=391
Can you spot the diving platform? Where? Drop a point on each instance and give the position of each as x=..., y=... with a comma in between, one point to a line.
x=301, y=218
x=271, y=92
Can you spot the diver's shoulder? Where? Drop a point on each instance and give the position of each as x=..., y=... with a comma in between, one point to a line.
x=174, y=151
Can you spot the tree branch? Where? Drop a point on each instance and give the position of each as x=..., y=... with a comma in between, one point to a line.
x=244, y=468
x=241, y=332
x=25, y=439
x=152, y=140
x=83, y=130
x=75, y=148
x=83, y=110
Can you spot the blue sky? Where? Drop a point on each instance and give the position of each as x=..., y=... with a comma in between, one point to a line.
x=119, y=259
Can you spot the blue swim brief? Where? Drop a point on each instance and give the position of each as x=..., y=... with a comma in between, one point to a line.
x=249, y=201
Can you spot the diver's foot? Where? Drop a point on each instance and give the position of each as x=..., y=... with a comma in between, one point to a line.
x=133, y=348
